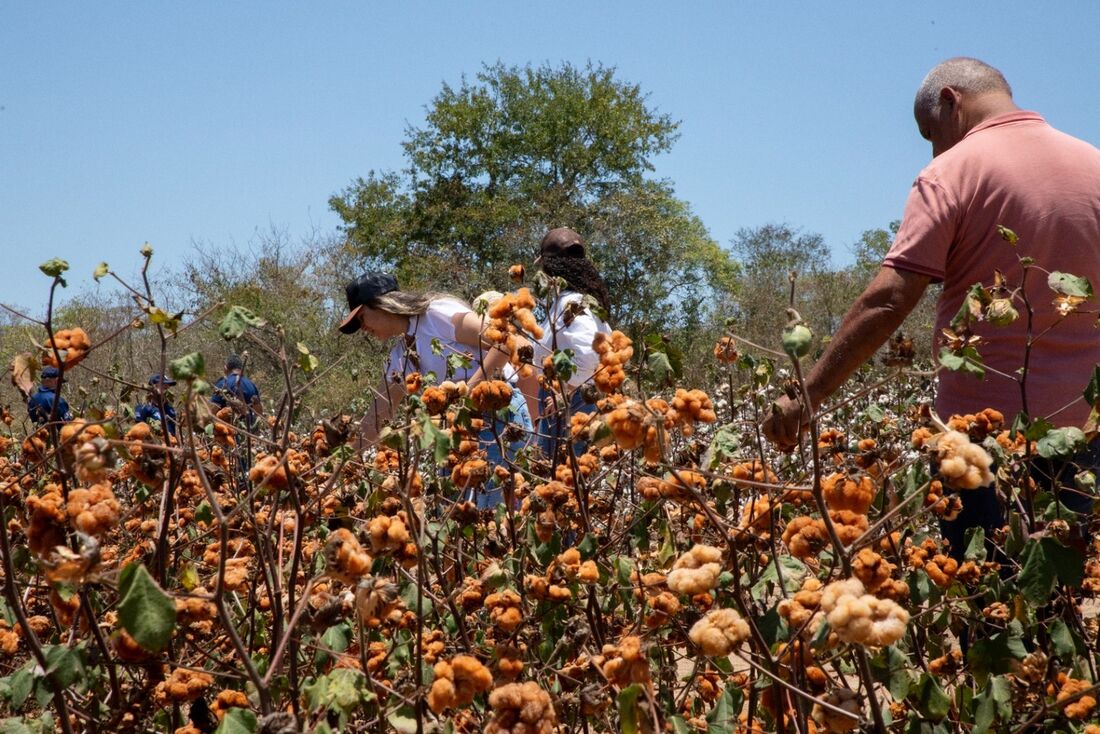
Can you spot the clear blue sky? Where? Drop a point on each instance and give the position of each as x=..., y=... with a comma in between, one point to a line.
x=173, y=123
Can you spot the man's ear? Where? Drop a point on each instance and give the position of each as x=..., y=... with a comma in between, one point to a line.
x=950, y=96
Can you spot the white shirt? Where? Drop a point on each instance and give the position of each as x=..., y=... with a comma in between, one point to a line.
x=435, y=323
x=578, y=336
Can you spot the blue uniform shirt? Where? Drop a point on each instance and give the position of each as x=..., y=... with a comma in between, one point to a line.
x=150, y=412
x=238, y=387
x=40, y=406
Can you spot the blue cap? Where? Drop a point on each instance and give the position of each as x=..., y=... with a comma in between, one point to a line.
x=161, y=380
x=50, y=372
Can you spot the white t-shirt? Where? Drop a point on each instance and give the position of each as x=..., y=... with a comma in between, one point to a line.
x=577, y=335
x=435, y=323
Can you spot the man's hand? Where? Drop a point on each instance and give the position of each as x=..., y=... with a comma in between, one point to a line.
x=785, y=422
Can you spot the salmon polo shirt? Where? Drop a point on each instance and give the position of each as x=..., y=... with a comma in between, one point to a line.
x=1013, y=170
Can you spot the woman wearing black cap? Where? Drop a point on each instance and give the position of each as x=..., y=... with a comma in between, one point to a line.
x=440, y=331
x=572, y=324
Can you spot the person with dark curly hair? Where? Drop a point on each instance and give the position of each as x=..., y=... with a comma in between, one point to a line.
x=577, y=314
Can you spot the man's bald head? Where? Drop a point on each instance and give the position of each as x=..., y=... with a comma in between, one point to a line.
x=963, y=74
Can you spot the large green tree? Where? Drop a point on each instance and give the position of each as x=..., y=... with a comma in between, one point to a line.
x=502, y=158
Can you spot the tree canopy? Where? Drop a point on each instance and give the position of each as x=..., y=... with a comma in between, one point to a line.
x=501, y=159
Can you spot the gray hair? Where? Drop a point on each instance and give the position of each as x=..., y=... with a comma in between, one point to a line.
x=962, y=73
x=401, y=303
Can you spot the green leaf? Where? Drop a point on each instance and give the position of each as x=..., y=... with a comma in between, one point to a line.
x=1069, y=565
x=564, y=366
x=458, y=362
x=1069, y=285
x=189, y=577
x=54, y=267
x=163, y=318
x=187, y=367
x=1061, y=443
x=679, y=725
x=145, y=611
x=975, y=544
x=967, y=361
x=436, y=439
x=660, y=368
x=723, y=447
x=15, y=725
x=236, y=320
x=773, y=628
x=975, y=300
x=993, y=703
x=100, y=271
x=306, y=361
x=402, y=723
x=1092, y=391
x=1062, y=642
x=996, y=653
x=658, y=344
x=1037, y=574
x=794, y=571
x=628, y=709
x=337, y=637
x=723, y=717
x=929, y=698
x=65, y=664
x=22, y=682
x=238, y=721
x=204, y=513
x=920, y=586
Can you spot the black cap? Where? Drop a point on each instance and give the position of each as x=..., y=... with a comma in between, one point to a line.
x=361, y=292
x=50, y=372
x=161, y=380
x=561, y=241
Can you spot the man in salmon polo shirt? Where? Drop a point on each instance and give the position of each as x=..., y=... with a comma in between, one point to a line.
x=993, y=164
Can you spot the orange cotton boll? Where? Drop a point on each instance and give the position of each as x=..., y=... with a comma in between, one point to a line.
x=689, y=407
x=521, y=708
x=753, y=471
x=181, y=686
x=345, y=558
x=71, y=344
x=470, y=473
x=457, y=682
x=269, y=471
x=47, y=520
x=94, y=510
x=806, y=537
x=626, y=662
x=491, y=396
x=963, y=465
x=725, y=350
x=615, y=350
x=412, y=383
x=517, y=273
x=387, y=533
x=842, y=493
x=504, y=610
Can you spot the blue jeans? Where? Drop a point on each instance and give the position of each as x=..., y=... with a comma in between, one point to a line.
x=491, y=495
x=554, y=428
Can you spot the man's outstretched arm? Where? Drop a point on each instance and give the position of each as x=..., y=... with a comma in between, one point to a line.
x=872, y=319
